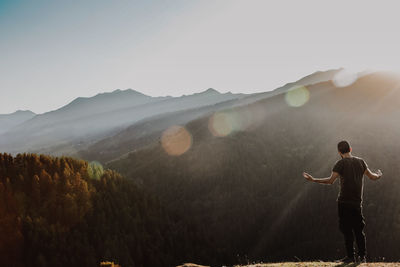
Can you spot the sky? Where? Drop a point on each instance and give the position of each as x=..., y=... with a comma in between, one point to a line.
x=54, y=51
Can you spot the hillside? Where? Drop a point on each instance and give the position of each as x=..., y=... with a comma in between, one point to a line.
x=240, y=173
x=149, y=129
x=221, y=187
x=66, y=212
x=143, y=133
x=9, y=121
x=313, y=78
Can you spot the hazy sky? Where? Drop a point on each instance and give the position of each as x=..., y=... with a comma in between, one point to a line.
x=54, y=51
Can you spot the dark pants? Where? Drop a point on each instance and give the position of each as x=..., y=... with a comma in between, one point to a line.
x=351, y=224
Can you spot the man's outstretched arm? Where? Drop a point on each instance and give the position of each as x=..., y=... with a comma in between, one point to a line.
x=373, y=175
x=329, y=180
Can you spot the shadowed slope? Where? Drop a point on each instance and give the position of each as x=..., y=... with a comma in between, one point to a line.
x=247, y=186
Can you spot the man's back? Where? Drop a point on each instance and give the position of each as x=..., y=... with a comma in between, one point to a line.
x=351, y=170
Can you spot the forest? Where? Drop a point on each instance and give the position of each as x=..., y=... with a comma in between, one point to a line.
x=67, y=212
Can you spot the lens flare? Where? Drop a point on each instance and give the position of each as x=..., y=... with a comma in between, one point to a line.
x=176, y=140
x=95, y=170
x=221, y=124
x=297, y=96
x=344, y=78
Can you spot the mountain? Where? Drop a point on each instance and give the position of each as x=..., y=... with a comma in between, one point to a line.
x=8, y=121
x=313, y=78
x=80, y=120
x=150, y=129
x=238, y=171
x=103, y=103
x=85, y=120
x=144, y=133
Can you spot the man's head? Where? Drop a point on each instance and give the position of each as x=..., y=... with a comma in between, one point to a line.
x=343, y=147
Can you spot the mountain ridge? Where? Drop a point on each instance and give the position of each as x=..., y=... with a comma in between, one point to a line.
x=132, y=137
x=92, y=118
x=11, y=120
x=86, y=120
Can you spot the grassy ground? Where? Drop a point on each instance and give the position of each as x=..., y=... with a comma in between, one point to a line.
x=323, y=264
x=310, y=264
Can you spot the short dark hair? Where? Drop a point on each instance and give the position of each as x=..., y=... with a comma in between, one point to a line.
x=343, y=147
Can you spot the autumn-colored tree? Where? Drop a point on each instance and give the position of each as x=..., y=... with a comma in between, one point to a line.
x=53, y=212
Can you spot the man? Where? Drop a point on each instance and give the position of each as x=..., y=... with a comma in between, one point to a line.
x=351, y=170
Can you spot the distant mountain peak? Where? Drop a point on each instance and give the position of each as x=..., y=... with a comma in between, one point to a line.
x=119, y=98
x=20, y=112
x=8, y=121
x=211, y=91
x=24, y=111
x=126, y=91
x=117, y=93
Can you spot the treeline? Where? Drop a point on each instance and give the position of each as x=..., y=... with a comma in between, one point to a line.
x=66, y=212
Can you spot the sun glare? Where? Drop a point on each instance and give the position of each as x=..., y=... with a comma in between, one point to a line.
x=221, y=124
x=297, y=96
x=176, y=140
x=344, y=78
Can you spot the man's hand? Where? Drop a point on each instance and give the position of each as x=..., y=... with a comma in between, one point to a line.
x=308, y=176
x=373, y=175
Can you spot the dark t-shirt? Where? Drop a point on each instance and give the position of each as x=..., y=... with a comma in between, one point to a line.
x=351, y=171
